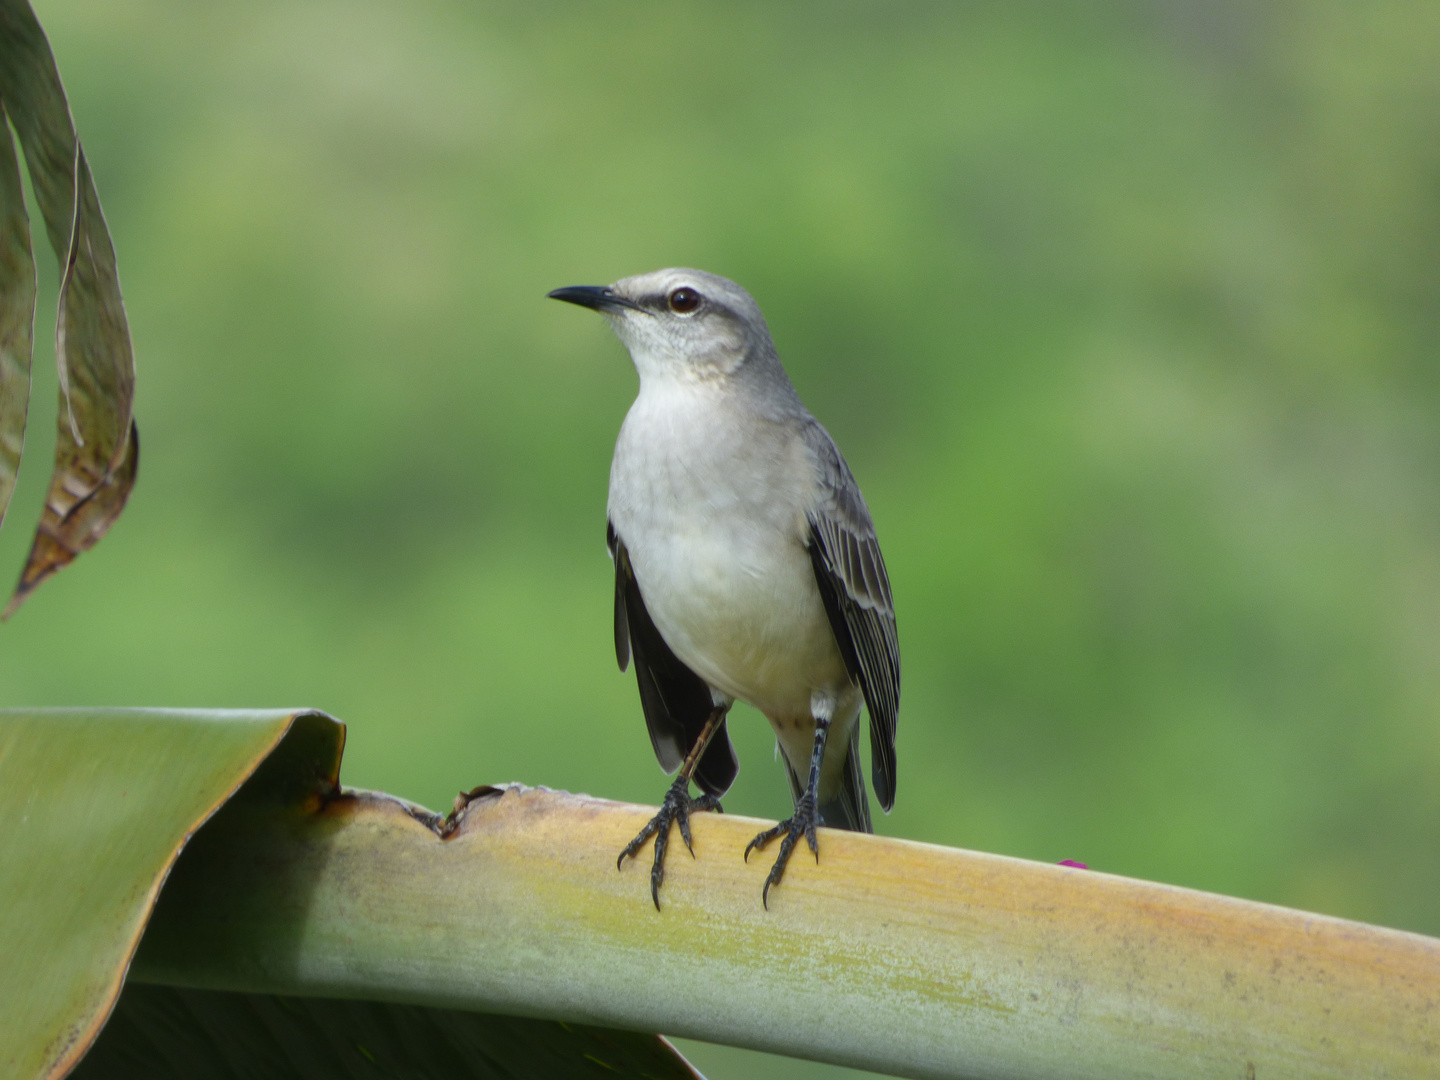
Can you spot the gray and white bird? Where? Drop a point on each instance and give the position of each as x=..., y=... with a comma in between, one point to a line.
x=746, y=565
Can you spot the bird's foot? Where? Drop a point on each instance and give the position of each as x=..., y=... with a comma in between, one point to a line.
x=677, y=807
x=803, y=823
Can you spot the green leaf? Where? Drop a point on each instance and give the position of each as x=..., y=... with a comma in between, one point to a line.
x=94, y=807
x=97, y=447
x=903, y=958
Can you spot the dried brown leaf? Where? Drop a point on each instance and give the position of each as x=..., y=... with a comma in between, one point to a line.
x=97, y=451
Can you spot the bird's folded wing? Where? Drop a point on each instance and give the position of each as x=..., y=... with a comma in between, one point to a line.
x=850, y=572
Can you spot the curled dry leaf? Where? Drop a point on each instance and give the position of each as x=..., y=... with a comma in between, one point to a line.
x=97, y=451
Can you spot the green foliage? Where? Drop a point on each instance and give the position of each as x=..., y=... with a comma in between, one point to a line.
x=300, y=907
x=1125, y=317
x=97, y=805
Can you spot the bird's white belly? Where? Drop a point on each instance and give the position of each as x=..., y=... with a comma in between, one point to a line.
x=715, y=527
x=745, y=615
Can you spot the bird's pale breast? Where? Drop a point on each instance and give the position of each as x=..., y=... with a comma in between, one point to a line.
x=715, y=526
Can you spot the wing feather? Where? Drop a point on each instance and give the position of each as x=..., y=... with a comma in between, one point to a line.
x=855, y=586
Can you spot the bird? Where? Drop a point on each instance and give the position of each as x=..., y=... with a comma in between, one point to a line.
x=746, y=567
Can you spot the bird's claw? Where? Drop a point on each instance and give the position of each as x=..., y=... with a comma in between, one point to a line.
x=789, y=831
x=677, y=807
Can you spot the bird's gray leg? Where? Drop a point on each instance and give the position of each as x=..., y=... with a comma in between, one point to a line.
x=677, y=807
x=803, y=821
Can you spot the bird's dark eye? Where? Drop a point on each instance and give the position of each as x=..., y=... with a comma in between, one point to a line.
x=684, y=300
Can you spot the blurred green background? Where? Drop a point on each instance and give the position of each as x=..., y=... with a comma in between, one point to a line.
x=1126, y=315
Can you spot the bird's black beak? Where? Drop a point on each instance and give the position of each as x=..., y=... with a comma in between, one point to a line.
x=598, y=297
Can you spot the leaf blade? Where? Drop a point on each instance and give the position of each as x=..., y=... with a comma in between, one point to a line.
x=95, y=805
x=903, y=958
x=17, y=315
x=95, y=454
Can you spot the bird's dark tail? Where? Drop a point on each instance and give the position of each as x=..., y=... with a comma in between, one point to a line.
x=850, y=808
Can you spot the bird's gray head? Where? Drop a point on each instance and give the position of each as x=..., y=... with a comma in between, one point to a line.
x=683, y=324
